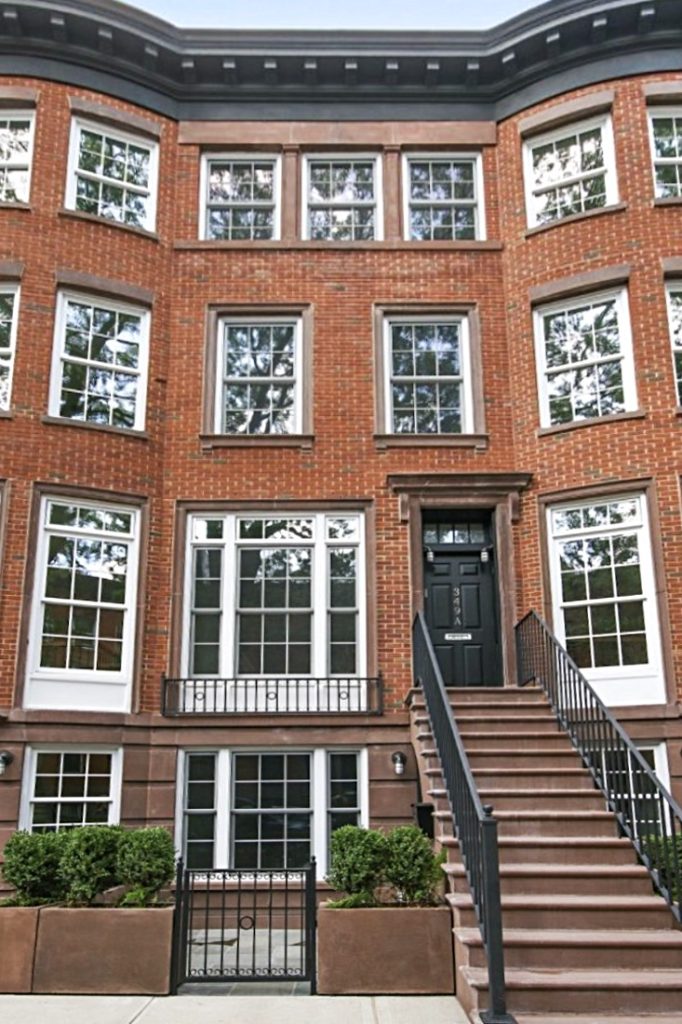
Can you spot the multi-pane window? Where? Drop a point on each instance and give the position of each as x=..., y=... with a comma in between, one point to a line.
x=275, y=596
x=71, y=788
x=570, y=171
x=86, y=594
x=9, y=302
x=675, y=319
x=666, y=143
x=260, y=809
x=112, y=175
x=100, y=363
x=428, y=376
x=584, y=355
x=603, y=582
x=259, y=389
x=342, y=199
x=443, y=198
x=16, y=144
x=241, y=198
x=635, y=792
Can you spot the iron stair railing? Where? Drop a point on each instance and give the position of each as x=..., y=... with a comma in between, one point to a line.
x=646, y=813
x=473, y=823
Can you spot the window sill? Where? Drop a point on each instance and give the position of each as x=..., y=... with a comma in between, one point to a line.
x=61, y=421
x=477, y=441
x=678, y=410
x=16, y=206
x=539, y=228
x=211, y=441
x=107, y=223
x=294, y=243
x=6, y=414
x=618, y=417
x=669, y=201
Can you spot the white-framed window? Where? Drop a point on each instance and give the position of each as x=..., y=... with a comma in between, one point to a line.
x=674, y=297
x=83, y=617
x=9, y=309
x=276, y=596
x=69, y=787
x=240, y=196
x=428, y=382
x=604, y=596
x=342, y=197
x=665, y=127
x=16, y=155
x=584, y=358
x=260, y=378
x=267, y=808
x=570, y=170
x=112, y=174
x=638, y=801
x=443, y=198
x=99, y=371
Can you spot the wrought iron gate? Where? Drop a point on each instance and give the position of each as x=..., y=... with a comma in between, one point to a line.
x=244, y=925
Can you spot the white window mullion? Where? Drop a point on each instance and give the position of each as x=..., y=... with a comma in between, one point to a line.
x=320, y=624
x=230, y=599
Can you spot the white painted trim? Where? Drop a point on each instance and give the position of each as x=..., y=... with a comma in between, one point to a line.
x=673, y=286
x=655, y=112
x=376, y=158
x=479, y=188
x=29, y=769
x=58, y=357
x=79, y=124
x=253, y=157
x=15, y=290
x=22, y=115
x=83, y=689
x=605, y=123
x=625, y=336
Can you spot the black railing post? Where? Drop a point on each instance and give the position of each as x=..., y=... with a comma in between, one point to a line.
x=311, y=924
x=177, y=952
x=497, y=1012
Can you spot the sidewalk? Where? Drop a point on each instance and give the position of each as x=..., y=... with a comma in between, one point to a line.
x=218, y=1009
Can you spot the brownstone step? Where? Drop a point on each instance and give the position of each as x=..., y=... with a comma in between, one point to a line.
x=543, y=799
x=570, y=911
x=598, y=991
x=564, y=849
x=508, y=759
x=496, y=695
x=542, y=722
x=532, y=778
x=574, y=879
x=600, y=1018
x=577, y=948
x=522, y=743
x=555, y=823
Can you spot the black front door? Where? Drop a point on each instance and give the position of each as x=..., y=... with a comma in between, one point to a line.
x=461, y=600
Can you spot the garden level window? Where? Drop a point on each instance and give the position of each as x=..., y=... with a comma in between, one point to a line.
x=604, y=594
x=276, y=597
x=241, y=198
x=569, y=171
x=67, y=788
x=428, y=375
x=112, y=175
x=16, y=151
x=261, y=380
x=9, y=305
x=342, y=198
x=268, y=809
x=100, y=362
x=84, y=607
x=675, y=319
x=443, y=197
x=584, y=359
x=666, y=145
x=636, y=793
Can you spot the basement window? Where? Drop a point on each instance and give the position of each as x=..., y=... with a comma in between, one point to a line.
x=69, y=788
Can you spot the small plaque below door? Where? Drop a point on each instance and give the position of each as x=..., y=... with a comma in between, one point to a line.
x=458, y=636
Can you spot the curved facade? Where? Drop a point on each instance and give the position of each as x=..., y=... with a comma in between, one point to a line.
x=299, y=344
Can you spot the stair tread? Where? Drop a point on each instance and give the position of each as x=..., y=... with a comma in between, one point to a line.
x=561, y=870
x=562, y=815
x=603, y=902
x=580, y=937
x=547, y=978
x=555, y=841
x=538, y=791
x=580, y=1018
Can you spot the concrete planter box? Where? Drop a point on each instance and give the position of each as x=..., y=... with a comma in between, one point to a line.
x=385, y=950
x=89, y=951
x=18, y=930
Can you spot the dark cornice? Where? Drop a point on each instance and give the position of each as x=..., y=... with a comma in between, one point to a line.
x=184, y=73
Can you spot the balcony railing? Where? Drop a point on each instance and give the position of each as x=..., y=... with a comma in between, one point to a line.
x=298, y=696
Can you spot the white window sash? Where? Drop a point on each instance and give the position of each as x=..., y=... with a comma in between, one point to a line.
x=22, y=115
x=626, y=358
x=653, y=114
x=605, y=124
x=8, y=356
x=29, y=777
x=674, y=287
x=253, y=157
x=78, y=125
x=478, y=202
x=377, y=204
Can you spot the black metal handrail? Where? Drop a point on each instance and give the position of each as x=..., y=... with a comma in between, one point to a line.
x=473, y=823
x=646, y=813
x=294, y=695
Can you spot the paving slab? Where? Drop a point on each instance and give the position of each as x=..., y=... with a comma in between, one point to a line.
x=259, y=1010
x=409, y=1009
x=72, y=1009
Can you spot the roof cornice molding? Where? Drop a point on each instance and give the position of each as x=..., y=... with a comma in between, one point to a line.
x=114, y=47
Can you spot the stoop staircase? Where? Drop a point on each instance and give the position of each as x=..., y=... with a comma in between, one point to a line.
x=585, y=938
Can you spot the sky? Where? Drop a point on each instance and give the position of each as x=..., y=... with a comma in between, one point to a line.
x=349, y=14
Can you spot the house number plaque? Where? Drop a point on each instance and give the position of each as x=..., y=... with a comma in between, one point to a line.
x=458, y=636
